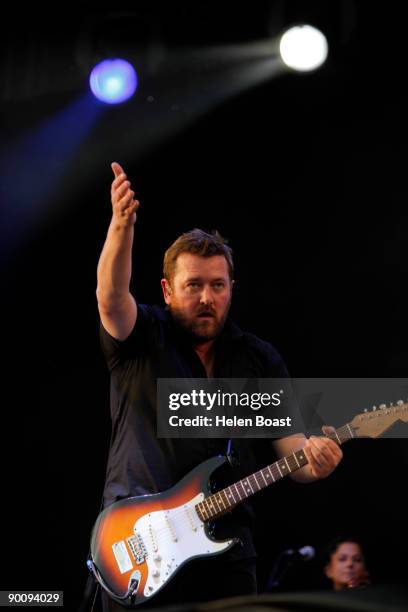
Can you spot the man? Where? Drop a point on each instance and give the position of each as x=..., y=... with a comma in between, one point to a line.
x=192, y=337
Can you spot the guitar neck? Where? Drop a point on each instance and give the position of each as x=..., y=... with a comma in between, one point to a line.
x=224, y=500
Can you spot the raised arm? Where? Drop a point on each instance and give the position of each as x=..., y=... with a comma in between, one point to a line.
x=117, y=307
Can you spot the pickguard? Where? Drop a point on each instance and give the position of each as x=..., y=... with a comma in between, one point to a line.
x=170, y=538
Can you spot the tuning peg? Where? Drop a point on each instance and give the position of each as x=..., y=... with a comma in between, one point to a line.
x=400, y=403
x=391, y=404
x=365, y=409
x=383, y=406
x=374, y=408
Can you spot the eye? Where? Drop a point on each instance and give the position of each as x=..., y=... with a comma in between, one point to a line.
x=219, y=285
x=193, y=286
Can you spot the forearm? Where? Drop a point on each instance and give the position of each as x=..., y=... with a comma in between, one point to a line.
x=115, y=265
x=322, y=454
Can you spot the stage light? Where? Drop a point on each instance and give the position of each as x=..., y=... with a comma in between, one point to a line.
x=113, y=81
x=303, y=48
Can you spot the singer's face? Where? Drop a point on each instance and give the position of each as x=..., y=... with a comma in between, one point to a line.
x=199, y=295
x=346, y=566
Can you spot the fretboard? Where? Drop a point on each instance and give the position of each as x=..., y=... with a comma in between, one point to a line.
x=224, y=500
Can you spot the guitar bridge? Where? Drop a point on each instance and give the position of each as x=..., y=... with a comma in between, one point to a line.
x=137, y=548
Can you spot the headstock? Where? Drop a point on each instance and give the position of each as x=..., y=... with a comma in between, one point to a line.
x=374, y=423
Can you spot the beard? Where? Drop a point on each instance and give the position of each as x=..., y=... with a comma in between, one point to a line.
x=199, y=329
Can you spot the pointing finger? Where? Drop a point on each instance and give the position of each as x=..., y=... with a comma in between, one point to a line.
x=117, y=169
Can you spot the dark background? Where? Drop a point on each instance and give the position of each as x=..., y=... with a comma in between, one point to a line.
x=305, y=174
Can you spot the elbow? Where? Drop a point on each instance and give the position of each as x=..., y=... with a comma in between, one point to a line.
x=106, y=301
x=101, y=298
x=112, y=302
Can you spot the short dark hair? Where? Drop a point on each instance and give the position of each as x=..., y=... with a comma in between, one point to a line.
x=197, y=242
x=333, y=545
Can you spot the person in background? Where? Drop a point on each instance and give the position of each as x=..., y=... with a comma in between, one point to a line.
x=345, y=564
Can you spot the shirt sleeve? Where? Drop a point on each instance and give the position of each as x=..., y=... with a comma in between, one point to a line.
x=116, y=351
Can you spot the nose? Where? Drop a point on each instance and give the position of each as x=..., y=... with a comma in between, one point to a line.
x=206, y=296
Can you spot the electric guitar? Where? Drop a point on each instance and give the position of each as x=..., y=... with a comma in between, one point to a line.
x=139, y=543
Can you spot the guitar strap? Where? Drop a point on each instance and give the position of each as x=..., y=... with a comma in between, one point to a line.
x=232, y=454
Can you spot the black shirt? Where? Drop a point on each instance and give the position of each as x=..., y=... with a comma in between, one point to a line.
x=140, y=463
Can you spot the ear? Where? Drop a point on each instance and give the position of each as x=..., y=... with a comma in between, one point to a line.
x=165, y=285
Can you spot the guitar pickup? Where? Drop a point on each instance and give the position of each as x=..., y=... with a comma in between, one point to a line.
x=137, y=548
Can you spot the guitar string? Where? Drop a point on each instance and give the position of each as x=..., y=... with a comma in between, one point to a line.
x=179, y=511
x=164, y=531
x=342, y=434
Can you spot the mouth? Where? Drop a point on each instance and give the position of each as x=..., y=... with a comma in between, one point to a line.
x=205, y=315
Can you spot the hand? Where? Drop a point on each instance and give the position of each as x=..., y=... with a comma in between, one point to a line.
x=362, y=580
x=124, y=206
x=322, y=454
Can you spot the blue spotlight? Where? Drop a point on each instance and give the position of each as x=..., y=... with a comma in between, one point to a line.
x=113, y=81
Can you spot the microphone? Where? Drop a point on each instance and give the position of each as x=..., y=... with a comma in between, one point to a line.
x=285, y=560
x=300, y=554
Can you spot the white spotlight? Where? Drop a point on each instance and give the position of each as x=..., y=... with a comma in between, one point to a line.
x=303, y=48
